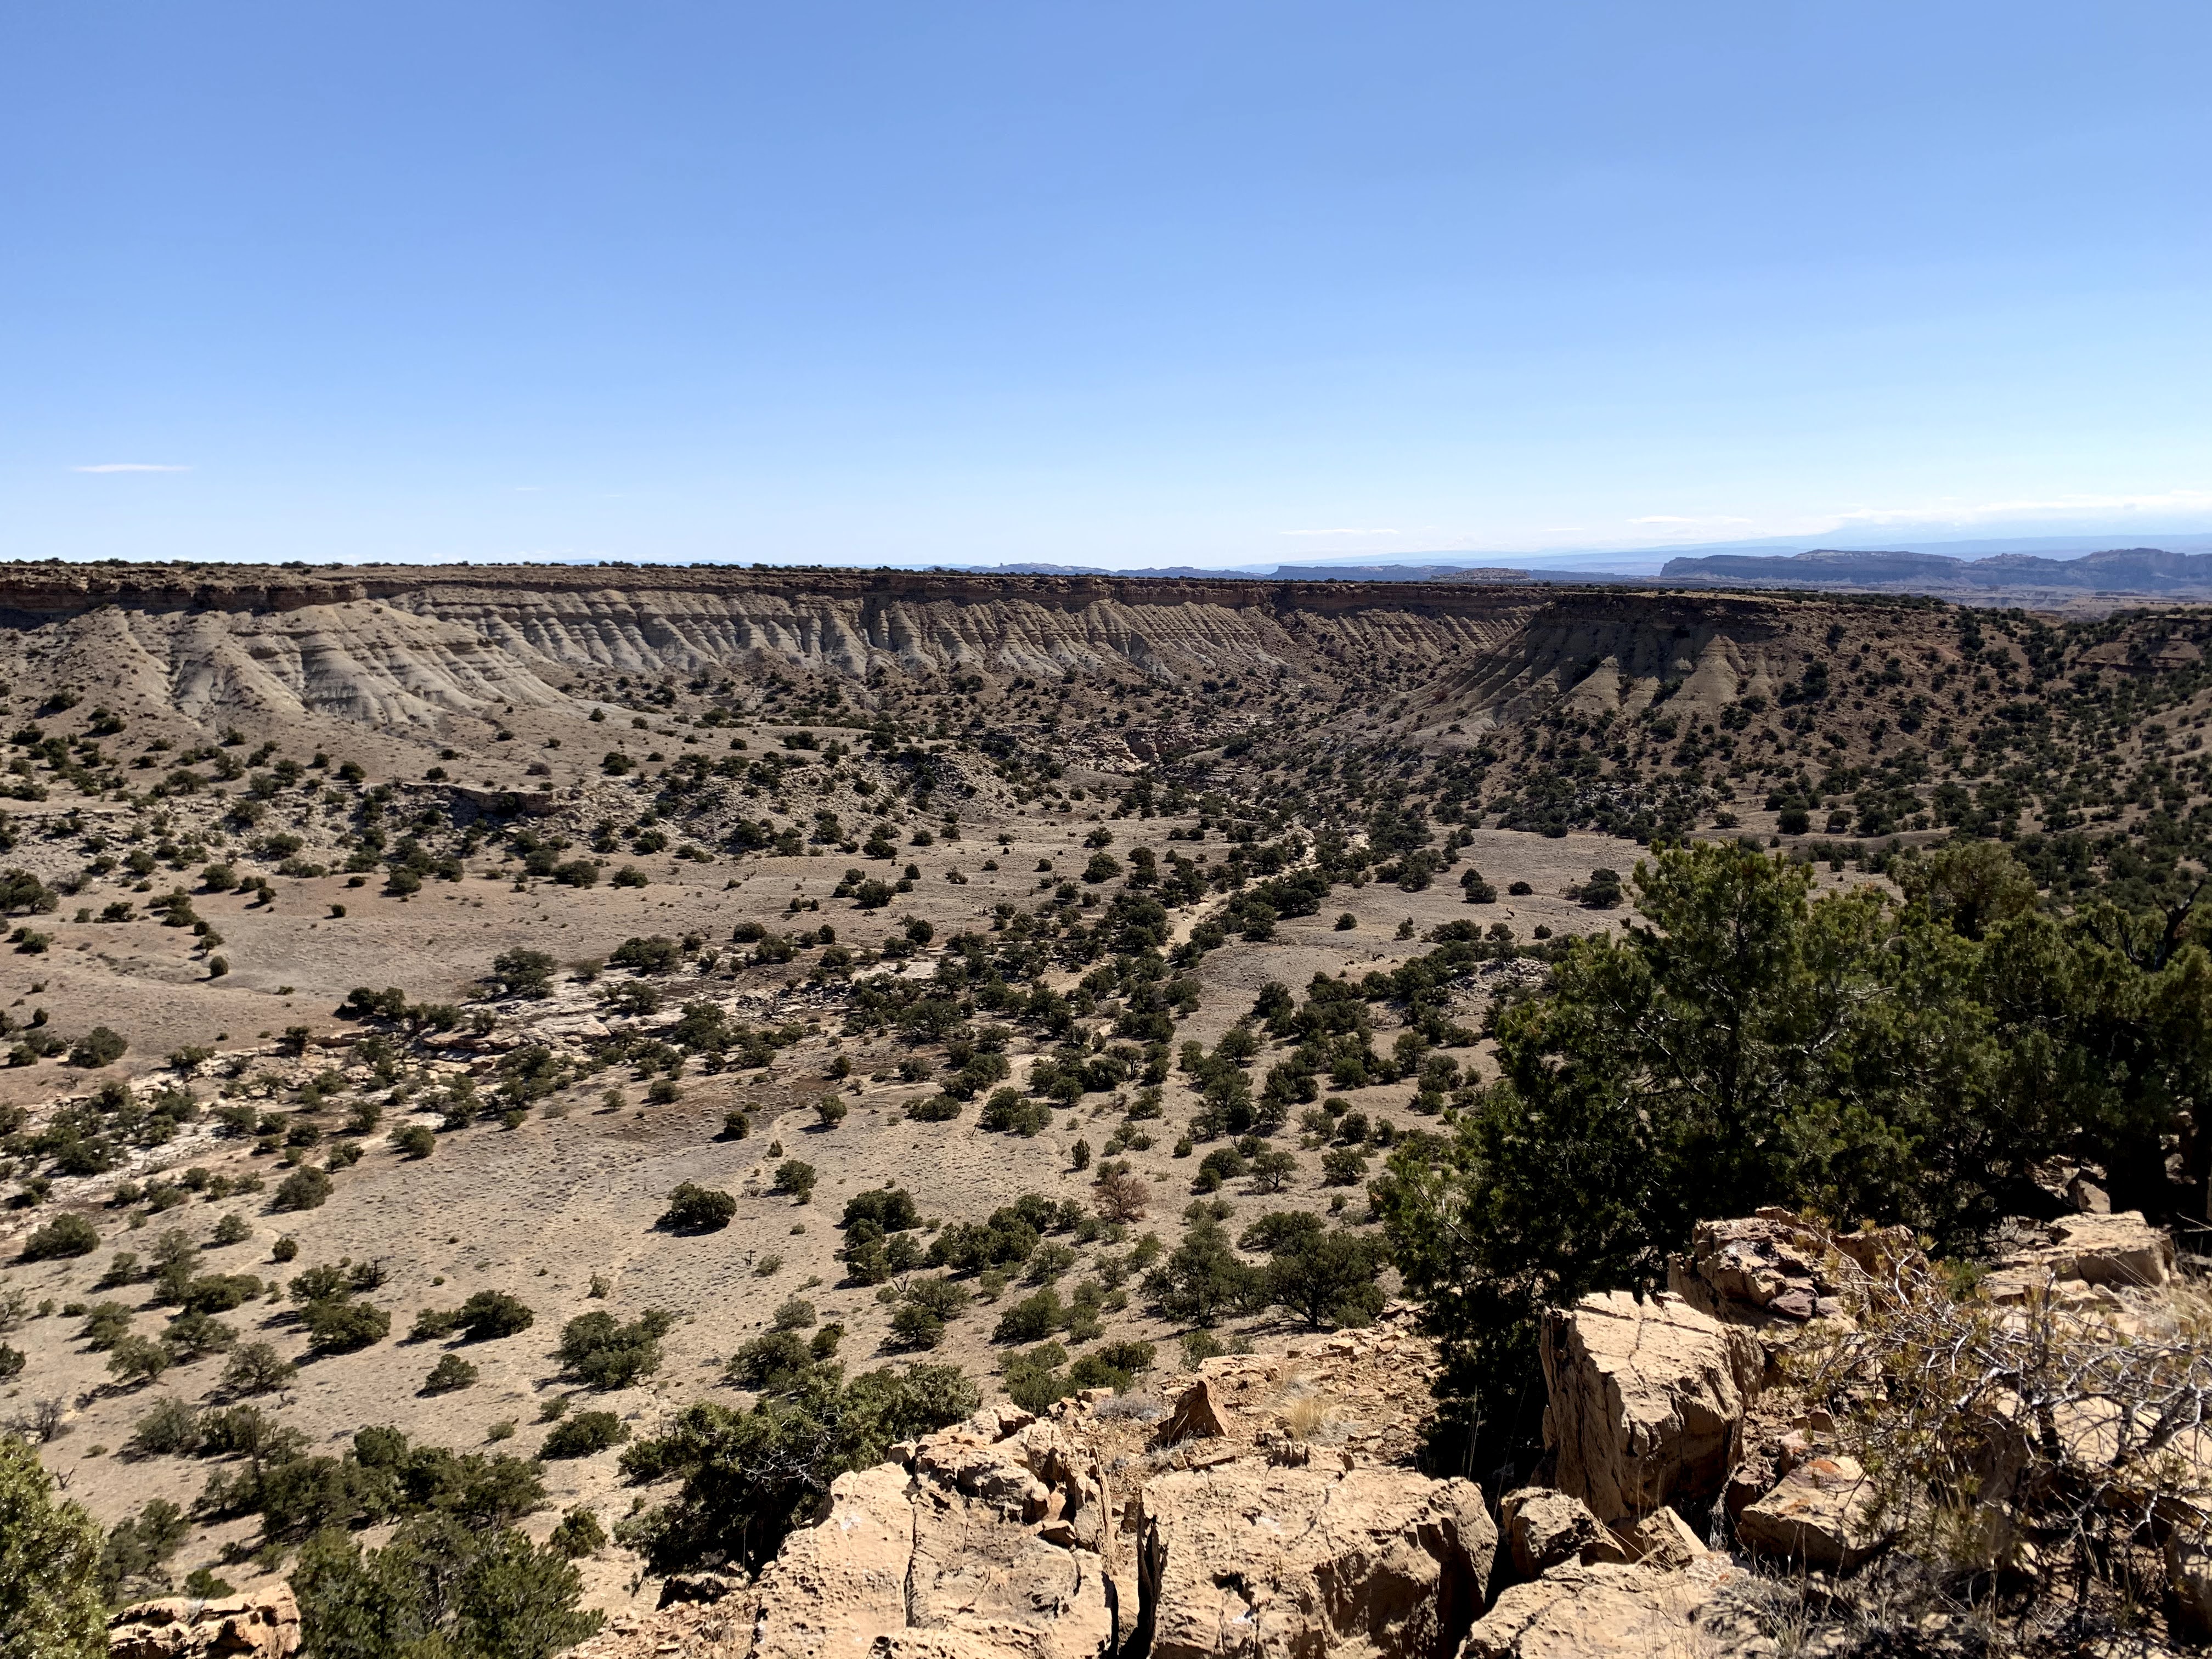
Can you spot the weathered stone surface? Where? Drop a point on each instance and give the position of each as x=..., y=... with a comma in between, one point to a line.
x=1279, y=1562
x=1645, y=1400
x=1776, y=1270
x=1663, y=1540
x=990, y=1546
x=1544, y=1529
x=835, y=1587
x=2189, y=1577
x=1006, y=1537
x=1199, y=1415
x=264, y=1625
x=1820, y=1515
x=1004, y=1586
x=1615, y=1612
x=2118, y=1250
x=2084, y=1256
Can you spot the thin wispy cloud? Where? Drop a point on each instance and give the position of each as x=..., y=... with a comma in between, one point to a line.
x=1341, y=532
x=2188, y=500
x=131, y=467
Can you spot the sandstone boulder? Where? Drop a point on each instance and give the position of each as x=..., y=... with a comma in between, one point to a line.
x=1820, y=1515
x=1545, y=1528
x=1616, y=1612
x=263, y=1625
x=1199, y=1415
x=2119, y=1250
x=2189, y=1578
x=991, y=1545
x=1663, y=1540
x=1646, y=1398
x=1776, y=1270
x=1279, y=1562
x=2084, y=1255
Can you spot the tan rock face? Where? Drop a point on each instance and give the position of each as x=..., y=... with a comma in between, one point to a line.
x=980, y=1548
x=265, y=1626
x=1646, y=1398
x=1274, y=1561
x=1615, y=1612
x=1199, y=1415
x=1545, y=1528
x=1664, y=1541
x=2111, y=1252
x=835, y=1587
x=1776, y=1270
x=1820, y=1515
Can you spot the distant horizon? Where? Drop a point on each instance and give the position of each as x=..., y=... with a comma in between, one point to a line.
x=1631, y=561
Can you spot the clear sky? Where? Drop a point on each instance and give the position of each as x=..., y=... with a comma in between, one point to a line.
x=1125, y=283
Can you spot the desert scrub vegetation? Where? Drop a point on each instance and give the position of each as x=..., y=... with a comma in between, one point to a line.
x=1742, y=1042
x=53, y=1599
x=584, y=1434
x=64, y=1236
x=441, y=1585
x=695, y=1209
x=2042, y=1460
x=603, y=1353
x=747, y=1478
x=486, y=1316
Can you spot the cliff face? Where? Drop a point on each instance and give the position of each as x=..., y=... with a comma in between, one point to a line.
x=406, y=646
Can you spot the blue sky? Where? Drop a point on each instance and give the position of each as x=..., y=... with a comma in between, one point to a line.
x=1103, y=284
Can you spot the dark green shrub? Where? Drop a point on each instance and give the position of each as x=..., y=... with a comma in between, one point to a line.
x=584, y=1434
x=523, y=973
x=886, y=1209
x=489, y=1315
x=797, y=1179
x=1031, y=1318
x=440, y=1586
x=749, y=1477
x=579, y=1534
x=169, y=1429
x=97, y=1047
x=64, y=1236
x=774, y=1362
x=605, y=1355
x=344, y=1326
x=1015, y=1113
x=137, y=1359
x=452, y=1372
x=695, y=1209
x=305, y=1189
x=257, y=1368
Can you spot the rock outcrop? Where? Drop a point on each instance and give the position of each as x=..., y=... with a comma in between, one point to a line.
x=1545, y=1528
x=987, y=1536
x=2079, y=1255
x=262, y=1625
x=1612, y=1611
x=1822, y=1515
x=1645, y=1400
x=1274, y=1510
x=1294, y=1561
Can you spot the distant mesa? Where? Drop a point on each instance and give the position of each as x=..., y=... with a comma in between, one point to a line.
x=2120, y=569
